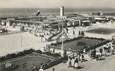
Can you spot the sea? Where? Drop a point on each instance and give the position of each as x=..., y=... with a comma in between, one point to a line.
x=49, y=11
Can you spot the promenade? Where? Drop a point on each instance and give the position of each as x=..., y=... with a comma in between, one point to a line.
x=91, y=65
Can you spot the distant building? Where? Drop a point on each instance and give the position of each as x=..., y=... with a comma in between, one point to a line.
x=86, y=23
x=97, y=13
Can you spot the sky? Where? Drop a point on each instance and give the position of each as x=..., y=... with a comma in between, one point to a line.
x=57, y=3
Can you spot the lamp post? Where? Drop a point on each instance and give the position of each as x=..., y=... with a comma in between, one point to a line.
x=21, y=35
x=62, y=17
x=62, y=47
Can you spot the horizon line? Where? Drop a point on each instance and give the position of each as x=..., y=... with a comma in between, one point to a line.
x=64, y=7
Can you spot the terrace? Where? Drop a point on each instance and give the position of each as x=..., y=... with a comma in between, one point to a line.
x=81, y=43
x=26, y=63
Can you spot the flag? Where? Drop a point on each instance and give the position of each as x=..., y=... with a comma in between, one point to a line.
x=38, y=12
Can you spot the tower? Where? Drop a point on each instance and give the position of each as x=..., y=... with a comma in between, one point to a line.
x=62, y=11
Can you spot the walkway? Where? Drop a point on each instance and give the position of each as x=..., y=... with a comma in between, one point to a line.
x=104, y=65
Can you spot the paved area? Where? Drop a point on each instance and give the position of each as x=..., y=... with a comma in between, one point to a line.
x=104, y=65
x=18, y=42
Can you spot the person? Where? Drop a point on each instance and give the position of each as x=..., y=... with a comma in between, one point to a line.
x=101, y=51
x=79, y=33
x=73, y=61
x=79, y=56
x=84, y=51
x=98, y=55
x=41, y=69
x=73, y=32
x=53, y=69
x=93, y=54
x=82, y=58
x=105, y=51
x=34, y=68
x=69, y=61
x=76, y=63
x=53, y=51
x=112, y=50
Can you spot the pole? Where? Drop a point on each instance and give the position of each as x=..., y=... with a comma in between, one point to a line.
x=21, y=37
x=62, y=36
x=21, y=40
x=62, y=47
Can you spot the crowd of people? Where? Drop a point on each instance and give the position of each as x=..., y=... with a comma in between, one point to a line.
x=75, y=60
x=98, y=54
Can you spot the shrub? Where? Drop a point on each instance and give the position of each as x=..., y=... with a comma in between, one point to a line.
x=20, y=54
x=39, y=51
x=28, y=51
x=3, y=58
x=9, y=56
x=13, y=55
